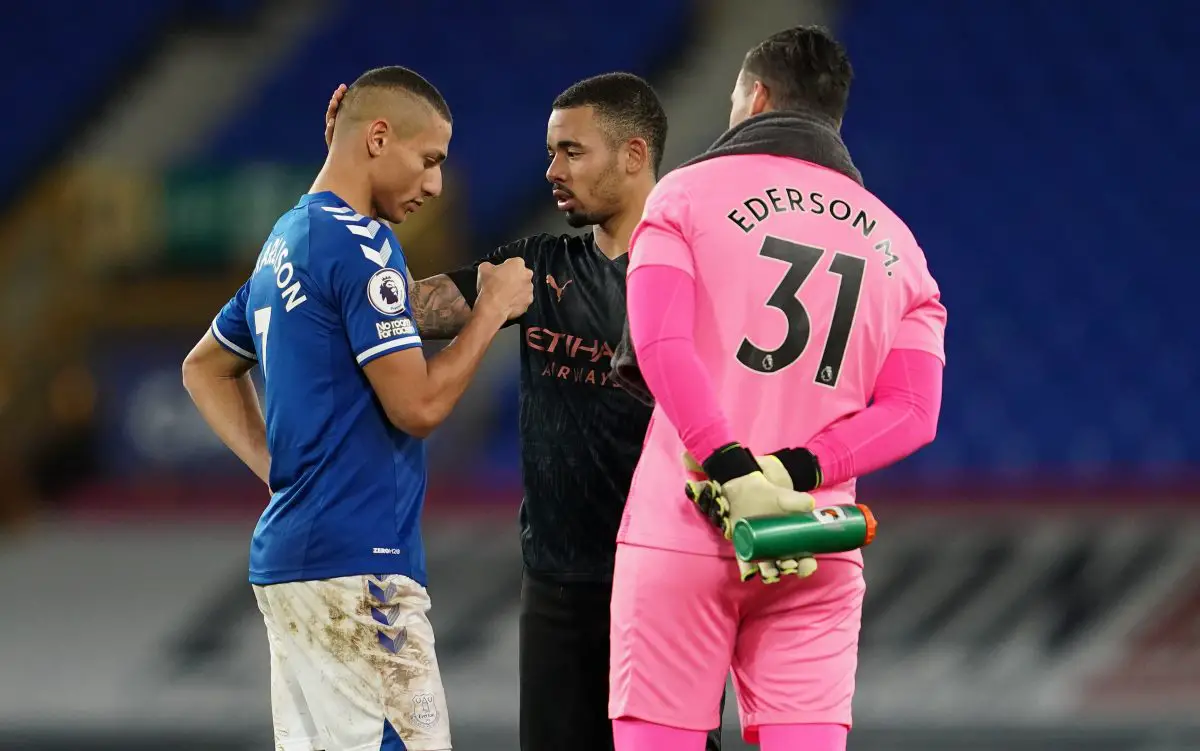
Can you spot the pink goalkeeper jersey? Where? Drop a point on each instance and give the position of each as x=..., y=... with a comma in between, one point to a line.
x=804, y=282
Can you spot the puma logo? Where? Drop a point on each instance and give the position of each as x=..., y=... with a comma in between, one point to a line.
x=554, y=286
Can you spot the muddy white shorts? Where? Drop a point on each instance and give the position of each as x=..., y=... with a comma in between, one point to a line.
x=352, y=666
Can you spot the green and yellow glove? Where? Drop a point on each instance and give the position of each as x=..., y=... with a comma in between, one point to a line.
x=738, y=485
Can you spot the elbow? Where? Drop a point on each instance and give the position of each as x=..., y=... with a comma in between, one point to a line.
x=190, y=373
x=418, y=421
x=422, y=429
x=928, y=429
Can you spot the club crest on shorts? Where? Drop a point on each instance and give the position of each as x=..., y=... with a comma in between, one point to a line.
x=424, y=709
x=387, y=292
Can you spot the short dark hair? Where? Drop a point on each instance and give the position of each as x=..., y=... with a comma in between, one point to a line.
x=627, y=106
x=804, y=68
x=398, y=78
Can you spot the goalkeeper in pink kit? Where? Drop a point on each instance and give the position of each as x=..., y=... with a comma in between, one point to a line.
x=786, y=324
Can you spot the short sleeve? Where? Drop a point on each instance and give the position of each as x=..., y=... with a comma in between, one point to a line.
x=661, y=238
x=923, y=328
x=230, y=327
x=465, y=278
x=370, y=288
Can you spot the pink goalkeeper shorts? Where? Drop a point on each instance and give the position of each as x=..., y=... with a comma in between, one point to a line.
x=681, y=621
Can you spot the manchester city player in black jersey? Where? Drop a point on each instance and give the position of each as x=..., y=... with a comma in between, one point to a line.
x=581, y=435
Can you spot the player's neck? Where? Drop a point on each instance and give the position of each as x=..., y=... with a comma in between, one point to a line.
x=612, y=237
x=610, y=243
x=346, y=184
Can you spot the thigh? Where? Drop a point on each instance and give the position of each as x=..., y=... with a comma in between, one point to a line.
x=564, y=666
x=797, y=650
x=369, y=670
x=291, y=720
x=672, y=633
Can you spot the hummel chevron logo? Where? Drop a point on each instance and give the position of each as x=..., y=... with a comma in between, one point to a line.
x=380, y=256
x=388, y=587
x=368, y=231
x=347, y=214
x=393, y=644
x=387, y=616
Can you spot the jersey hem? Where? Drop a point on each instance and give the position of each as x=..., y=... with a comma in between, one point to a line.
x=286, y=576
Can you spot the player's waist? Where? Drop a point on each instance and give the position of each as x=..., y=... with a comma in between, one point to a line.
x=348, y=488
x=681, y=542
x=557, y=491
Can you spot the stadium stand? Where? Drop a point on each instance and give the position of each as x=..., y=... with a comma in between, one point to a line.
x=1054, y=220
x=498, y=84
x=66, y=67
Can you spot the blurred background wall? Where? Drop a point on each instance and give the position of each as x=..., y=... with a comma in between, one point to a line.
x=1035, y=584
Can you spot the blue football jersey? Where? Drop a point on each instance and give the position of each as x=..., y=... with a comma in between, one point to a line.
x=327, y=296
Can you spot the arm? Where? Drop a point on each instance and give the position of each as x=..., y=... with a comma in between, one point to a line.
x=661, y=302
x=439, y=308
x=441, y=304
x=445, y=300
x=901, y=419
x=418, y=395
x=907, y=400
x=216, y=375
x=662, y=313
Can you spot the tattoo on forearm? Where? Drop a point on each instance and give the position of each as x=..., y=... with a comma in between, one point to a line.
x=438, y=307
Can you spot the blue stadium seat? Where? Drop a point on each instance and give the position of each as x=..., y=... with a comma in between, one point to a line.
x=1043, y=158
x=60, y=60
x=223, y=10
x=498, y=64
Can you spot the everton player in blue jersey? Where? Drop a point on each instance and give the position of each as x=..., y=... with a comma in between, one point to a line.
x=336, y=560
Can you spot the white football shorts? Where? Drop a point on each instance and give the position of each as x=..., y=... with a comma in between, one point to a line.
x=352, y=665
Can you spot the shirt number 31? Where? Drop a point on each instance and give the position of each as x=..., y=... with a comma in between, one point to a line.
x=802, y=261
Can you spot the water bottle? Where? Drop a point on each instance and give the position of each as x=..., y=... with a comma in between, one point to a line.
x=833, y=529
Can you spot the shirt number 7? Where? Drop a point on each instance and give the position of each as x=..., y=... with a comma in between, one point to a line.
x=262, y=324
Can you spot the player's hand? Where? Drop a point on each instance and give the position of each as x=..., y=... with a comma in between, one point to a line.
x=745, y=487
x=766, y=492
x=508, y=287
x=709, y=499
x=335, y=101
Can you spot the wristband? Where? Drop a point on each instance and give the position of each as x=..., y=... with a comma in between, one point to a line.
x=729, y=463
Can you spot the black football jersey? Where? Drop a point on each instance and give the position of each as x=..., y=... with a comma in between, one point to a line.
x=581, y=435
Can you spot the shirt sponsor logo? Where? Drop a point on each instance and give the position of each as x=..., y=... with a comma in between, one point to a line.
x=392, y=329
x=572, y=358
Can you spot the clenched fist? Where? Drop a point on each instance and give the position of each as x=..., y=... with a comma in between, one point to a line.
x=507, y=287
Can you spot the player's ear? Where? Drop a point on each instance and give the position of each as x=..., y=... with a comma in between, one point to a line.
x=637, y=155
x=760, y=99
x=378, y=133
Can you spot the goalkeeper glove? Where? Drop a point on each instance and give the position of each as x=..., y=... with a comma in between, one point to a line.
x=739, y=485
